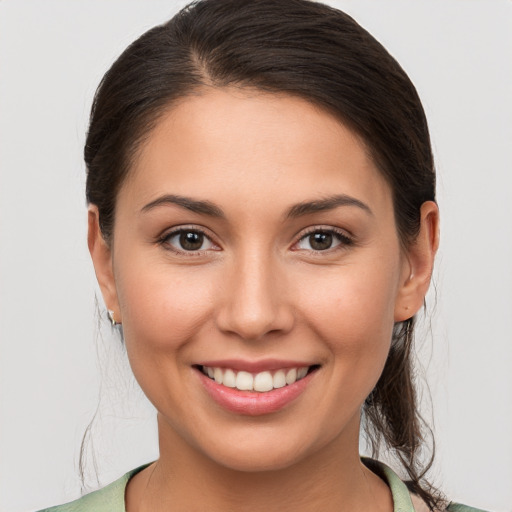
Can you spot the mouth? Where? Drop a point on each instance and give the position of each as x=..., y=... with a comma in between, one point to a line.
x=261, y=382
x=255, y=389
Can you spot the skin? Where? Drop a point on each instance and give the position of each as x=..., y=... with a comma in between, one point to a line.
x=258, y=290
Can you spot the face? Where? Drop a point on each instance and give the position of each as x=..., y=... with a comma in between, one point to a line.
x=255, y=241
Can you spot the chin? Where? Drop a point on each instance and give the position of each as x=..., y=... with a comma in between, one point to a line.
x=262, y=449
x=255, y=461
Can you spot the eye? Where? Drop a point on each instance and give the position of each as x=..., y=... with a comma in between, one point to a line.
x=188, y=240
x=322, y=240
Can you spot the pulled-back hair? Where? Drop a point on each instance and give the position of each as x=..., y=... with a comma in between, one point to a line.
x=311, y=51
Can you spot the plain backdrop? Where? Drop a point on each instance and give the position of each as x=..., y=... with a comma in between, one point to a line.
x=55, y=349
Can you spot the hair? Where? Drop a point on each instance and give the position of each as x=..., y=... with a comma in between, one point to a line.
x=305, y=49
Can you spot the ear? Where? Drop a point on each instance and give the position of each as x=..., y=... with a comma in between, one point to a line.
x=418, y=264
x=101, y=255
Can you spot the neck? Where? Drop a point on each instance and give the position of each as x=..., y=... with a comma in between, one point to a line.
x=185, y=479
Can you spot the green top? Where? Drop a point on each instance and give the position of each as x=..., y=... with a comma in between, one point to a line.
x=111, y=497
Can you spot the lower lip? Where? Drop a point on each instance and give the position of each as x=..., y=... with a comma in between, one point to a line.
x=253, y=403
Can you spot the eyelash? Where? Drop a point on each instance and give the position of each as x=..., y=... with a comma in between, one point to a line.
x=164, y=241
x=341, y=236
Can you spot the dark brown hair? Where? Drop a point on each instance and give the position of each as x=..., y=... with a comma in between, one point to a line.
x=305, y=49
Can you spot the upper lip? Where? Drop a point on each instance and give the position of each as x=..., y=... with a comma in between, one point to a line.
x=255, y=366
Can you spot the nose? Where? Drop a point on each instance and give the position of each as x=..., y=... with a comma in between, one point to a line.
x=255, y=300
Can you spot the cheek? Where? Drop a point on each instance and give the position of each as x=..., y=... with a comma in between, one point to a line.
x=162, y=306
x=352, y=302
x=352, y=311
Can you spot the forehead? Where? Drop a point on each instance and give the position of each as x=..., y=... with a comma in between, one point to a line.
x=231, y=142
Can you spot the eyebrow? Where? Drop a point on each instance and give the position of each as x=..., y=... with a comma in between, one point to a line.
x=194, y=205
x=297, y=210
x=329, y=203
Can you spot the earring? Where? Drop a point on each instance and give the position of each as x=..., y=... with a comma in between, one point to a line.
x=110, y=314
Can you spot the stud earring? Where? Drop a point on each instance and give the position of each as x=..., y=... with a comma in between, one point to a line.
x=111, y=317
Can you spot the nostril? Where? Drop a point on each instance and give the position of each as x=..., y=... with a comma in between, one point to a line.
x=254, y=322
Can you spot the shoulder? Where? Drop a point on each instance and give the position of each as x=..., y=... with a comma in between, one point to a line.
x=457, y=507
x=107, y=499
x=403, y=499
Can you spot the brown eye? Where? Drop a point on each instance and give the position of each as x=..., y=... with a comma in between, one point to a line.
x=189, y=240
x=323, y=240
x=320, y=241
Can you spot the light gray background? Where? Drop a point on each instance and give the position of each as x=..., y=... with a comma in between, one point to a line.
x=52, y=56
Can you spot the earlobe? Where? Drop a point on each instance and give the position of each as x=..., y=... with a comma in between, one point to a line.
x=101, y=255
x=420, y=262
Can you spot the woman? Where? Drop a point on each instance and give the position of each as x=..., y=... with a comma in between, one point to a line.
x=263, y=226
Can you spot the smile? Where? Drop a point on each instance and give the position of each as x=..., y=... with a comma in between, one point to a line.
x=255, y=389
x=261, y=382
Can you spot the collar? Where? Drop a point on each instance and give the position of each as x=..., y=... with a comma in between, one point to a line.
x=402, y=498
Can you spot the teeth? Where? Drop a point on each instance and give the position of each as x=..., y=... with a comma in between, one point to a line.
x=217, y=375
x=261, y=382
x=301, y=373
x=291, y=376
x=244, y=381
x=280, y=379
x=229, y=379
